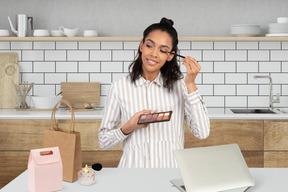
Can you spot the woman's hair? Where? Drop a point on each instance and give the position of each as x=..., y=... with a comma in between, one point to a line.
x=170, y=70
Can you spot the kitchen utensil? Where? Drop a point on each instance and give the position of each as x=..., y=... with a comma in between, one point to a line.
x=21, y=25
x=45, y=102
x=41, y=33
x=79, y=93
x=69, y=32
x=90, y=33
x=4, y=33
x=59, y=93
x=56, y=33
x=278, y=28
x=9, y=75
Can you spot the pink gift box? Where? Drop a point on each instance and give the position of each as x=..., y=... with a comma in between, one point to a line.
x=45, y=170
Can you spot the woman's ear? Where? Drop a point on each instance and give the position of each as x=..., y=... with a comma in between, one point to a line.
x=170, y=57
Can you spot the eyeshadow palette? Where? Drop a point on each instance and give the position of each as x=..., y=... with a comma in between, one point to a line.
x=154, y=117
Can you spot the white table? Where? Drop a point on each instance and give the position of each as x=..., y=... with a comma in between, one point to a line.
x=144, y=180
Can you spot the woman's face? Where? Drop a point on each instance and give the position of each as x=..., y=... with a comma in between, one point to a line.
x=155, y=51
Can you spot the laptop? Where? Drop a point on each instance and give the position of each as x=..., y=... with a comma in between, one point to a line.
x=214, y=168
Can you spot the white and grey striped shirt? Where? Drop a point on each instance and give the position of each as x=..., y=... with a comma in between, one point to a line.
x=151, y=147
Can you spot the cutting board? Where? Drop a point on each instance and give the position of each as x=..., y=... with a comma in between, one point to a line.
x=9, y=75
x=79, y=93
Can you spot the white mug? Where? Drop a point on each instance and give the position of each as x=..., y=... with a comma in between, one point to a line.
x=41, y=33
x=69, y=32
x=90, y=33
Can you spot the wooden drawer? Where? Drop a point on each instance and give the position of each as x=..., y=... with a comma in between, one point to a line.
x=29, y=134
x=275, y=135
x=276, y=159
x=247, y=134
x=254, y=158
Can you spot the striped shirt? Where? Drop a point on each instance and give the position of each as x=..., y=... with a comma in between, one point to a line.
x=151, y=147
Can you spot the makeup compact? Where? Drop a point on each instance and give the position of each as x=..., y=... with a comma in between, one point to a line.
x=154, y=117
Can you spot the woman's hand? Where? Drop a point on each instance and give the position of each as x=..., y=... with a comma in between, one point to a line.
x=132, y=125
x=193, y=69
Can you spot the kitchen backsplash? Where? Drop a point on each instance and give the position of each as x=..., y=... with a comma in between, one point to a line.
x=226, y=79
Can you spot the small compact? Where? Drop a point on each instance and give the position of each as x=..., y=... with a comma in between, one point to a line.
x=154, y=117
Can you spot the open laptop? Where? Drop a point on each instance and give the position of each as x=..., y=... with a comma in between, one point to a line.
x=214, y=168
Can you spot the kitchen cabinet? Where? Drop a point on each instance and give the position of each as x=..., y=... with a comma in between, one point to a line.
x=275, y=143
x=263, y=143
x=17, y=137
x=248, y=134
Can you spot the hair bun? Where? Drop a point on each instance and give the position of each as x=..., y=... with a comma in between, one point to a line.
x=167, y=21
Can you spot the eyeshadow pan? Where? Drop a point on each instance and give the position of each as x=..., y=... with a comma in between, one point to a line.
x=166, y=116
x=160, y=117
x=154, y=117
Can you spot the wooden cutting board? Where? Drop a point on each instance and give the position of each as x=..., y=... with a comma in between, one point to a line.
x=79, y=93
x=9, y=75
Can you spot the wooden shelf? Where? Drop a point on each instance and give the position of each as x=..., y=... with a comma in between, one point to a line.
x=139, y=38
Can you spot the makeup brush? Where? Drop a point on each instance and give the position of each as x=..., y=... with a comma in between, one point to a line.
x=176, y=54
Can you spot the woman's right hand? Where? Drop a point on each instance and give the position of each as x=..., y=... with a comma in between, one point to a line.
x=132, y=125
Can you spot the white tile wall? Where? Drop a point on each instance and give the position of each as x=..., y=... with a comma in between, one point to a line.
x=89, y=67
x=279, y=55
x=21, y=45
x=89, y=45
x=247, y=45
x=270, y=67
x=66, y=45
x=202, y=45
x=32, y=55
x=44, y=45
x=112, y=66
x=217, y=55
x=238, y=55
x=4, y=45
x=224, y=45
x=78, y=77
x=226, y=78
x=58, y=55
x=101, y=55
x=25, y=66
x=44, y=90
x=213, y=78
x=44, y=66
x=247, y=89
x=262, y=55
x=82, y=55
x=66, y=67
x=224, y=66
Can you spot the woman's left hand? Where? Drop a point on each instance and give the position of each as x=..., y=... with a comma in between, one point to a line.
x=193, y=69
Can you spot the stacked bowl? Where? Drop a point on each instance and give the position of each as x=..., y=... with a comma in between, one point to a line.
x=278, y=29
x=245, y=30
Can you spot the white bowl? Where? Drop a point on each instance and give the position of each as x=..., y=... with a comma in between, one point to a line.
x=282, y=20
x=4, y=33
x=41, y=33
x=45, y=102
x=90, y=33
x=69, y=32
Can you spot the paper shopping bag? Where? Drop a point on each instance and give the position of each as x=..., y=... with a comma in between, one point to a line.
x=69, y=144
x=45, y=170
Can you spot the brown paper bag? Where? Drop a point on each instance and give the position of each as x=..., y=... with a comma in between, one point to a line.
x=69, y=144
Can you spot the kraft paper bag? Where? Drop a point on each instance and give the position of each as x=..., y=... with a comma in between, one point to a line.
x=45, y=170
x=69, y=144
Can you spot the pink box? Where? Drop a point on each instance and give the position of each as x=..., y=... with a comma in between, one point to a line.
x=45, y=170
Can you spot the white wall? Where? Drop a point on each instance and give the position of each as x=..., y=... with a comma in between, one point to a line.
x=225, y=81
x=131, y=17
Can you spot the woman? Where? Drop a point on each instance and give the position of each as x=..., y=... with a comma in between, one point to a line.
x=155, y=83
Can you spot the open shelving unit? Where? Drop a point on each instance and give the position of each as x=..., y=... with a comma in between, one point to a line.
x=139, y=38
